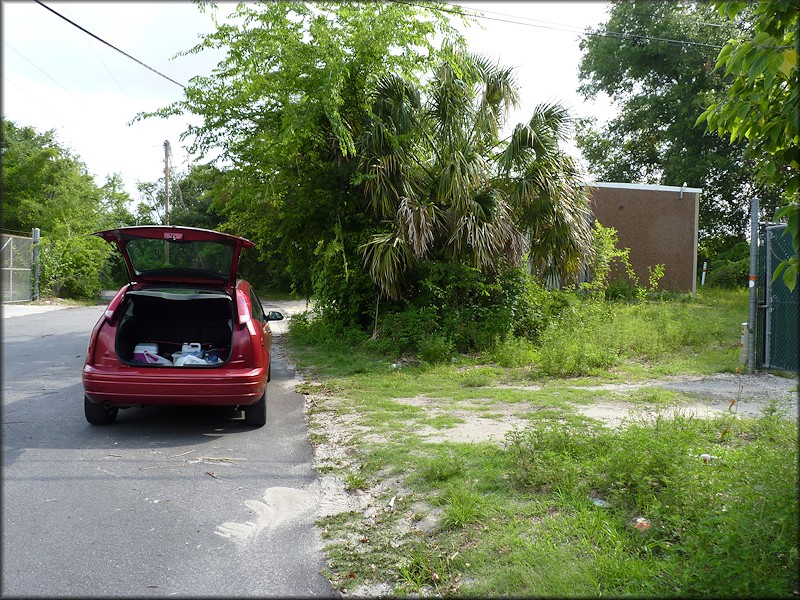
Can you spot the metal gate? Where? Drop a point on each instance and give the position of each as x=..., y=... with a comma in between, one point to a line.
x=778, y=341
x=15, y=267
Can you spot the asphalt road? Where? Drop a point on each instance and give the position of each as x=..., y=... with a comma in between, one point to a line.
x=165, y=502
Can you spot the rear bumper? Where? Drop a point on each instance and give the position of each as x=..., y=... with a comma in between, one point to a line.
x=131, y=386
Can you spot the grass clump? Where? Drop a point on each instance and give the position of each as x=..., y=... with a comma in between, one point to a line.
x=463, y=506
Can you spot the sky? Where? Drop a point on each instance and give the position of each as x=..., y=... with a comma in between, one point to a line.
x=57, y=77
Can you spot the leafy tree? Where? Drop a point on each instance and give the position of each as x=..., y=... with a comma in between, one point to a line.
x=454, y=191
x=192, y=195
x=656, y=61
x=114, y=203
x=45, y=185
x=30, y=169
x=761, y=107
x=284, y=109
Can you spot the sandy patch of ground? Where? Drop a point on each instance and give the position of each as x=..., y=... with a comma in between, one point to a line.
x=710, y=395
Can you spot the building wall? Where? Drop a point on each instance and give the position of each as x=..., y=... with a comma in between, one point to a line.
x=659, y=225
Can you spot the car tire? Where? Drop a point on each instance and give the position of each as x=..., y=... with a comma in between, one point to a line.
x=97, y=414
x=256, y=414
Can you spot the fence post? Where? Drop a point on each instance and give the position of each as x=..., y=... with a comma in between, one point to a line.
x=752, y=280
x=36, y=237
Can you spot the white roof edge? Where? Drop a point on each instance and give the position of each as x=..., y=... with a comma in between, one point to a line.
x=644, y=186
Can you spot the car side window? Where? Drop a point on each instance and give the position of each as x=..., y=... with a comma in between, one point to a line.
x=258, y=310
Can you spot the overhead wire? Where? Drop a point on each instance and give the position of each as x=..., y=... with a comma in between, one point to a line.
x=35, y=99
x=102, y=62
x=99, y=39
x=37, y=67
x=480, y=14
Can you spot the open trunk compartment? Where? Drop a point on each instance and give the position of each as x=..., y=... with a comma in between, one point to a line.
x=172, y=319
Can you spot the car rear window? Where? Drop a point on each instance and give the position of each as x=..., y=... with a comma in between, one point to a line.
x=152, y=257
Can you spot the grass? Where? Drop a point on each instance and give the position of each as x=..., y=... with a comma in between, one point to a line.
x=565, y=506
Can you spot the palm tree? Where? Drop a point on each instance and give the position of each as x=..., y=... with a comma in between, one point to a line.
x=438, y=173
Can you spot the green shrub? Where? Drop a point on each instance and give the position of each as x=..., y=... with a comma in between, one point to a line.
x=463, y=505
x=324, y=331
x=435, y=348
x=730, y=268
x=440, y=468
x=515, y=352
x=455, y=309
x=71, y=266
x=578, y=341
x=726, y=274
x=621, y=289
x=553, y=456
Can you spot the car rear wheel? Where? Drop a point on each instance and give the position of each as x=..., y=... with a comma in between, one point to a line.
x=256, y=414
x=97, y=414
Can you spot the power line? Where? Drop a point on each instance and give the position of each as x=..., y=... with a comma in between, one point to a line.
x=21, y=89
x=555, y=26
x=40, y=69
x=99, y=39
x=102, y=62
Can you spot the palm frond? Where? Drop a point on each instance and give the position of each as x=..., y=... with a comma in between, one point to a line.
x=382, y=184
x=418, y=223
x=387, y=257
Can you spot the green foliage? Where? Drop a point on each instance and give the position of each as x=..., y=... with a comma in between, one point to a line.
x=759, y=106
x=730, y=267
x=433, y=164
x=341, y=289
x=593, y=336
x=438, y=469
x=661, y=87
x=478, y=377
x=321, y=331
x=422, y=567
x=553, y=457
x=515, y=352
x=462, y=506
x=455, y=308
x=30, y=170
x=723, y=527
x=580, y=341
x=789, y=268
x=46, y=186
x=728, y=275
x=70, y=266
x=285, y=108
x=435, y=348
x=355, y=480
x=607, y=258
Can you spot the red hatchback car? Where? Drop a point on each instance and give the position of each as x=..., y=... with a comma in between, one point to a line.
x=184, y=331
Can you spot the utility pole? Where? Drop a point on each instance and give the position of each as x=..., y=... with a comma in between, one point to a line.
x=166, y=197
x=166, y=181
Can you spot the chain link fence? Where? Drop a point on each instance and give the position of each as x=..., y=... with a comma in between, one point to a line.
x=777, y=325
x=16, y=267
